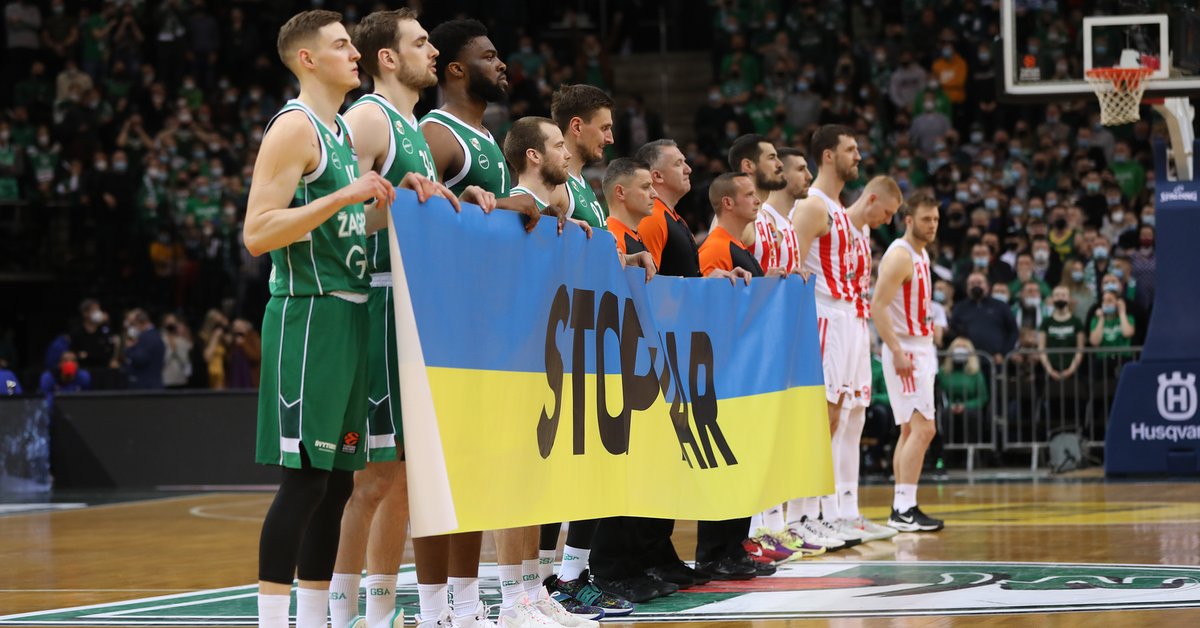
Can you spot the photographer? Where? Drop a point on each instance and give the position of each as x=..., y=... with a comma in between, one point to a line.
x=177, y=365
x=212, y=334
x=243, y=355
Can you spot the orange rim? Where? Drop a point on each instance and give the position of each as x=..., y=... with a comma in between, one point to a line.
x=1132, y=77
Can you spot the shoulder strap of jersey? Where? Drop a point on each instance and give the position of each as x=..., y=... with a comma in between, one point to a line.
x=296, y=105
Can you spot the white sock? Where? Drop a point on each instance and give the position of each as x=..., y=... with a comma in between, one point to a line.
x=756, y=522
x=906, y=497
x=465, y=594
x=575, y=561
x=529, y=577
x=273, y=610
x=511, y=586
x=312, y=608
x=772, y=518
x=804, y=507
x=546, y=564
x=343, y=598
x=433, y=599
x=381, y=598
x=847, y=496
x=829, y=508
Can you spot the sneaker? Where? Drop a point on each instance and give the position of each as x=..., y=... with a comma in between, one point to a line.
x=589, y=594
x=636, y=589
x=814, y=533
x=870, y=530
x=478, y=620
x=729, y=568
x=359, y=622
x=444, y=620
x=679, y=574
x=523, y=614
x=850, y=537
x=913, y=520
x=577, y=608
x=800, y=548
x=551, y=608
x=763, y=547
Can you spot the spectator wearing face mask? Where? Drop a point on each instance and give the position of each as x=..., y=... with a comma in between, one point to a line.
x=1061, y=235
x=1118, y=220
x=1099, y=265
x=1025, y=275
x=177, y=362
x=1093, y=201
x=144, y=352
x=1027, y=306
x=66, y=377
x=1128, y=173
x=963, y=384
x=93, y=341
x=950, y=69
x=1047, y=267
x=1113, y=327
x=1082, y=294
x=1061, y=330
x=987, y=322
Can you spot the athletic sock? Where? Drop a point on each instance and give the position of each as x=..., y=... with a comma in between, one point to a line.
x=511, y=586
x=905, y=498
x=772, y=519
x=343, y=598
x=529, y=578
x=756, y=522
x=575, y=561
x=847, y=501
x=546, y=564
x=829, y=508
x=465, y=593
x=312, y=608
x=273, y=610
x=802, y=508
x=381, y=598
x=433, y=599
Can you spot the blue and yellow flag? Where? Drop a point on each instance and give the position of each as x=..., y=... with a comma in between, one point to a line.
x=541, y=382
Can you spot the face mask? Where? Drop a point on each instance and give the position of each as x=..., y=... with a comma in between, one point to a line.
x=1101, y=50
x=962, y=196
x=985, y=56
x=101, y=166
x=976, y=293
x=976, y=137
x=1112, y=286
x=1120, y=158
x=1061, y=304
x=120, y=166
x=988, y=162
x=1100, y=253
x=1033, y=50
x=1036, y=212
x=991, y=203
x=1016, y=210
x=1077, y=275
x=1148, y=219
x=802, y=86
x=981, y=262
x=1051, y=119
x=1032, y=302
x=1084, y=143
x=1092, y=187
x=132, y=332
x=69, y=369
x=939, y=296
x=975, y=189
x=1041, y=256
x=929, y=104
x=933, y=85
x=903, y=163
x=1146, y=243
x=714, y=98
x=947, y=52
x=1063, y=153
x=1001, y=297
x=217, y=172
x=1109, y=310
x=1118, y=273
x=1051, y=202
x=97, y=317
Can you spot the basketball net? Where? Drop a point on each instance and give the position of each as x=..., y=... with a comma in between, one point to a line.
x=1120, y=89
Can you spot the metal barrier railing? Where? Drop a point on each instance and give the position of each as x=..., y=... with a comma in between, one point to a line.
x=1034, y=406
x=966, y=404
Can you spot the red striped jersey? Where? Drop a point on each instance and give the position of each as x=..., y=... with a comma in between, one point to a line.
x=775, y=243
x=912, y=310
x=832, y=258
x=862, y=258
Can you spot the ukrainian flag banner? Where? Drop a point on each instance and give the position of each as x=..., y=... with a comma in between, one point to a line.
x=541, y=382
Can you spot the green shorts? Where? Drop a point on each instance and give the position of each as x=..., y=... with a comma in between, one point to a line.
x=384, y=429
x=313, y=388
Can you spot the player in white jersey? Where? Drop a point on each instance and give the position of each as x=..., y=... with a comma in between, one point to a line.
x=904, y=320
x=775, y=241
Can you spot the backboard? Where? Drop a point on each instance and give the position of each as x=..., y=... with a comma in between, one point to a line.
x=1047, y=46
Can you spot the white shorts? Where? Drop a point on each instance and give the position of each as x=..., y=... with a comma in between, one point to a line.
x=845, y=354
x=915, y=393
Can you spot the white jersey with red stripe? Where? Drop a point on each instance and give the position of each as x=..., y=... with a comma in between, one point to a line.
x=832, y=258
x=912, y=311
x=862, y=260
x=775, y=242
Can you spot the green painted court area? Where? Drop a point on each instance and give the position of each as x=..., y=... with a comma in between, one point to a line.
x=804, y=590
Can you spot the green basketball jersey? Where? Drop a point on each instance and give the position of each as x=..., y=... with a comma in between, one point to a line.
x=520, y=189
x=584, y=204
x=332, y=257
x=483, y=164
x=407, y=152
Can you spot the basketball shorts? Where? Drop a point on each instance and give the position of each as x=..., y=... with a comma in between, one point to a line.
x=313, y=389
x=385, y=440
x=845, y=354
x=914, y=393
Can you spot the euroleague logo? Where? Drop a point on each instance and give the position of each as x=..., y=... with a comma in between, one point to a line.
x=350, y=442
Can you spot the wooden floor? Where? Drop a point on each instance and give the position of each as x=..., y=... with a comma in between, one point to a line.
x=174, y=545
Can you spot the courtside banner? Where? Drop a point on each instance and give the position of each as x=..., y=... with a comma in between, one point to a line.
x=541, y=382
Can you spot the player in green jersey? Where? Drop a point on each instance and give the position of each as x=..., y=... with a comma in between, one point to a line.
x=306, y=209
x=400, y=60
x=537, y=151
x=584, y=115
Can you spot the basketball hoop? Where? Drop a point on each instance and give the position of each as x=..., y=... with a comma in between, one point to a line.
x=1120, y=92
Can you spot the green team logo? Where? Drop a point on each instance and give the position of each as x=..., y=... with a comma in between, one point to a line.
x=407, y=145
x=811, y=589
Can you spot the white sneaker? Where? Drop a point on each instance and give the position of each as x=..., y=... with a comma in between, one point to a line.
x=870, y=530
x=444, y=620
x=813, y=532
x=551, y=608
x=477, y=620
x=845, y=533
x=524, y=614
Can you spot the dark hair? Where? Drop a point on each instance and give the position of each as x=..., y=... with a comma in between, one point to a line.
x=299, y=29
x=525, y=134
x=450, y=38
x=651, y=152
x=826, y=138
x=379, y=31
x=577, y=101
x=917, y=201
x=723, y=186
x=788, y=151
x=620, y=170
x=748, y=146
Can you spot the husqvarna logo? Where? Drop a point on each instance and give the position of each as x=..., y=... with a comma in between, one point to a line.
x=1177, y=396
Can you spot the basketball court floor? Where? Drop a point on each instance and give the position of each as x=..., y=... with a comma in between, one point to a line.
x=1070, y=551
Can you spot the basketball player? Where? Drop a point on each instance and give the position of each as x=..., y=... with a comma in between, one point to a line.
x=903, y=318
x=397, y=54
x=775, y=216
x=584, y=114
x=306, y=209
